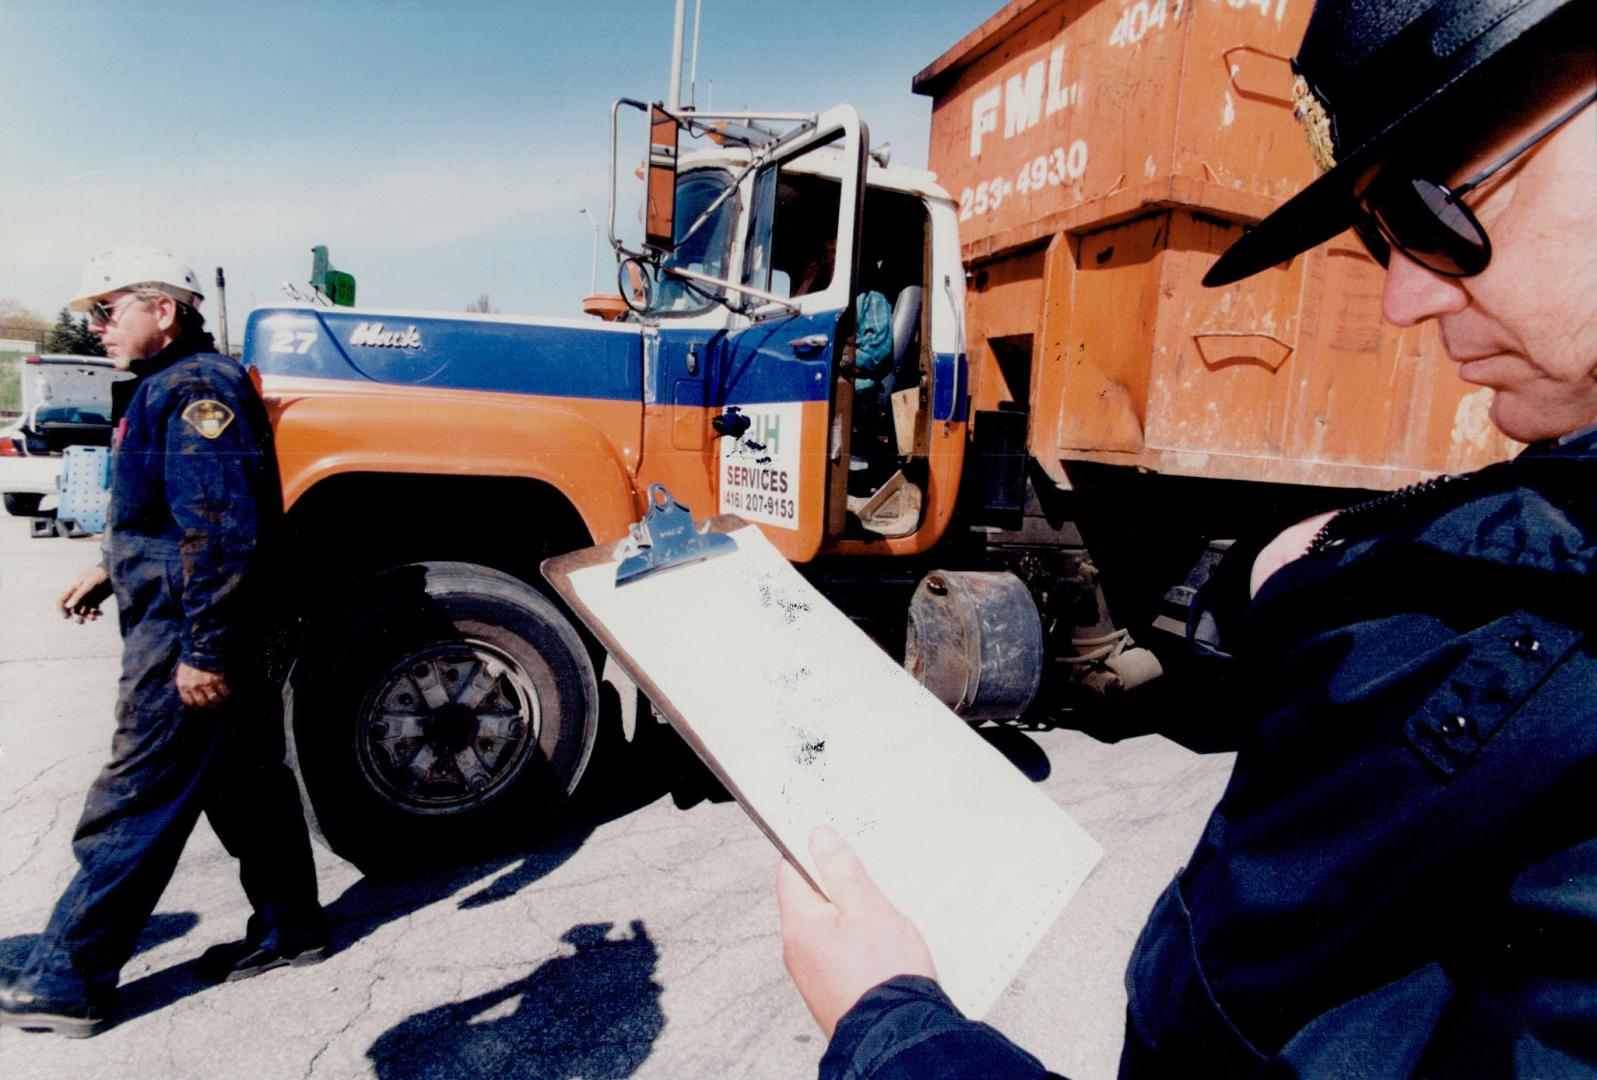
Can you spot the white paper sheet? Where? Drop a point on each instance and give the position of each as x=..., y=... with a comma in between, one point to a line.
x=814, y=724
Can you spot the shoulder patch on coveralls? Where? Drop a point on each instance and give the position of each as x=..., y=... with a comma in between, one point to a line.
x=209, y=418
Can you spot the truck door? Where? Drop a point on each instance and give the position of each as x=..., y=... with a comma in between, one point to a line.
x=777, y=377
x=686, y=320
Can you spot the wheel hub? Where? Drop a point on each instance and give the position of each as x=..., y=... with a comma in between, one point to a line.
x=447, y=727
x=452, y=728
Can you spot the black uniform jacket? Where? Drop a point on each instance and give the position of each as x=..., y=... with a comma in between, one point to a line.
x=1401, y=878
x=194, y=474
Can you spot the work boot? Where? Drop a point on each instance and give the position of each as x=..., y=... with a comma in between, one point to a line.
x=29, y=1011
x=237, y=960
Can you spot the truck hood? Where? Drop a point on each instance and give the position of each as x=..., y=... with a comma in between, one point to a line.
x=560, y=357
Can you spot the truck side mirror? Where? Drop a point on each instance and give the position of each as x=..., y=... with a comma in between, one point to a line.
x=659, y=214
x=635, y=279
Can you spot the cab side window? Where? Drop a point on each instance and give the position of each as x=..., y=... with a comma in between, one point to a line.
x=792, y=248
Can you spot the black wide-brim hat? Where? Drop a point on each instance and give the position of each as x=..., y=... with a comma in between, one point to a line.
x=1374, y=75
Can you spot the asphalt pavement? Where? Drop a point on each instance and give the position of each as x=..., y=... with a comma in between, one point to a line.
x=641, y=941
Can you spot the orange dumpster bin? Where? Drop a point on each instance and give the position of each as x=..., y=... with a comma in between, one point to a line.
x=1103, y=154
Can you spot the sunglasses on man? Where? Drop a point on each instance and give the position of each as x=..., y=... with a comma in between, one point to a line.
x=105, y=313
x=1429, y=222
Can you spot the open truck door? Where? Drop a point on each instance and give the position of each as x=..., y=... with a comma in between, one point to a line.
x=747, y=274
x=782, y=379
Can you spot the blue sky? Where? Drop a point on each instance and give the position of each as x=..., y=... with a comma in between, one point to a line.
x=441, y=150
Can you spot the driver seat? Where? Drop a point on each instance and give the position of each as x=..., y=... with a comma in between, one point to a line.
x=906, y=322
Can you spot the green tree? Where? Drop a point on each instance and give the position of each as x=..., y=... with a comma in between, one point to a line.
x=71, y=335
x=88, y=342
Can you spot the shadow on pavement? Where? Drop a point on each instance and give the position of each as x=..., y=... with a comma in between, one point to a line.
x=624, y=779
x=1021, y=750
x=367, y=905
x=593, y=1014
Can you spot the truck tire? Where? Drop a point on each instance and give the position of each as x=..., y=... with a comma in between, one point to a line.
x=448, y=709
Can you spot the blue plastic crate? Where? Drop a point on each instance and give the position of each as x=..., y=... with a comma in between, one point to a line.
x=85, y=487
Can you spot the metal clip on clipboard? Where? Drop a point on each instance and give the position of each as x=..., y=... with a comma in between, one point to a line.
x=666, y=537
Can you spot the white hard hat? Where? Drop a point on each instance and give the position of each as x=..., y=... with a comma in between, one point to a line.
x=123, y=268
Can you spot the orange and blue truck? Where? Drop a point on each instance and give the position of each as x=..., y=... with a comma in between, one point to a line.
x=1054, y=423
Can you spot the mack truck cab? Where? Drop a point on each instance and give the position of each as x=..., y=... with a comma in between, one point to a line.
x=755, y=271
x=435, y=691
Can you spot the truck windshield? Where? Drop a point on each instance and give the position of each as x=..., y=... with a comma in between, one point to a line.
x=705, y=252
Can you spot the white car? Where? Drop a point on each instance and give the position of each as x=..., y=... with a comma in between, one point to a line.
x=66, y=401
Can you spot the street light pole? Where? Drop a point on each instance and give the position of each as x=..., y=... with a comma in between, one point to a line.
x=593, y=274
x=221, y=310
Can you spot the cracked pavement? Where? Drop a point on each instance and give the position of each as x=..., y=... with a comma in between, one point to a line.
x=642, y=942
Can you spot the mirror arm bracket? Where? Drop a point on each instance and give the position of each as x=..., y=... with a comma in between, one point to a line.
x=722, y=283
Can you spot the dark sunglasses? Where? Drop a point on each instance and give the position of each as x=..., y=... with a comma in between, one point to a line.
x=104, y=313
x=1429, y=222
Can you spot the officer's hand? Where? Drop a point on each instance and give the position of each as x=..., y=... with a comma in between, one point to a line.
x=1293, y=543
x=84, y=596
x=837, y=951
x=200, y=689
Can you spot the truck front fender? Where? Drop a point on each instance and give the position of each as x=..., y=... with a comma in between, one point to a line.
x=585, y=449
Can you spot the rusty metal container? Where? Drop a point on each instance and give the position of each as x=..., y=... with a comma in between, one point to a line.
x=1103, y=153
x=974, y=639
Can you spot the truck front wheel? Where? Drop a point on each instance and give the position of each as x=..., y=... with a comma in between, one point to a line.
x=450, y=708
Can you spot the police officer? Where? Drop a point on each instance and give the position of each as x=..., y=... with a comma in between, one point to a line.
x=1401, y=878
x=194, y=501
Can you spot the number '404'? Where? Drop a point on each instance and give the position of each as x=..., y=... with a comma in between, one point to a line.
x=1137, y=19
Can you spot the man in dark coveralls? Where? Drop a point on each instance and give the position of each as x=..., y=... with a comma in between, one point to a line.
x=1401, y=878
x=194, y=499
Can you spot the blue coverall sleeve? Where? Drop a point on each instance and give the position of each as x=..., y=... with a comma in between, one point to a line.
x=209, y=488
x=908, y=1029
x=1529, y=1009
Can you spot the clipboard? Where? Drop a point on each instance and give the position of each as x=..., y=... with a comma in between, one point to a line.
x=808, y=722
x=558, y=571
